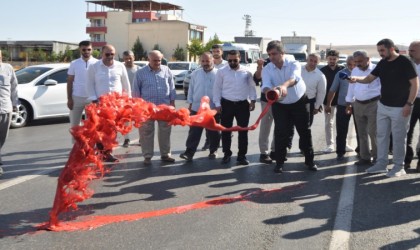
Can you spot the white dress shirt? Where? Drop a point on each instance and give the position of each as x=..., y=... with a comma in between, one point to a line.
x=201, y=84
x=78, y=68
x=221, y=65
x=8, y=88
x=291, y=70
x=234, y=85
x=103, y=79
x=361, y=91
x=316, y=85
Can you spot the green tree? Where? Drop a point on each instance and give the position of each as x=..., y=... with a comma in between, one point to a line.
x=211, y=42
x=179, y=53
x=53, y=57
x=156, y=47
x=195, y=48
x=68, y=54
x=96, y=53
x=6, y=55
x=138, y=49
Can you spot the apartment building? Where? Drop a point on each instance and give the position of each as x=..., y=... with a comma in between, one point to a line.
x=120, y=22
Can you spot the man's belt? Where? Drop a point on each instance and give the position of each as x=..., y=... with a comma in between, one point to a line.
x=369, y=100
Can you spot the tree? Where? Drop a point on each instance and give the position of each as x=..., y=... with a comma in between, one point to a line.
x=179, y=53
x=195, y=48
x=138, y=49
x=156, y=47
x=96, y=53
x=211, y=42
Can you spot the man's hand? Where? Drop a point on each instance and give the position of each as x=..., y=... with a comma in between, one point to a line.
x=349, y=109
x=219, y=110
x=406, y=110
x=260, y=62
x=283, y=91
x=327, y=109
x=353, y=79
x=70, y=103
x=251, y=106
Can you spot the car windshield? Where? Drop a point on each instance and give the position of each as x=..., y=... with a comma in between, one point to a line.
x=178, y=66
x=28, y=74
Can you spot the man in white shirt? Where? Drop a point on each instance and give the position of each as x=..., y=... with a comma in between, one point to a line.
x=128, y=58
x=217, y=53
x=363, y=98
x=316, y=85
x=234, y=95
x=77, y=97
x=201, y=84
x=106, y=76
x=414, y=52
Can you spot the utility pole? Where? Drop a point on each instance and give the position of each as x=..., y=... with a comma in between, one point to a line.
x=248, y=22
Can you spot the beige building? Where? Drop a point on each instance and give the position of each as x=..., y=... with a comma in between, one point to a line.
x=120, y=22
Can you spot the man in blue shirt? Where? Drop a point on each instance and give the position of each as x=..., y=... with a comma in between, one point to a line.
x=155, y=83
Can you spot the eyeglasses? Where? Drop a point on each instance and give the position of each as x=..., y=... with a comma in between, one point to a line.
x=86, y=50
x=233, y=60
x=109, y=54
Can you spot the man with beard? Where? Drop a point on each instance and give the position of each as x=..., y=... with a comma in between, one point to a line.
x=217, y=52
x=233, y=89
x=292, y=109
x=201, y=84
x=399, y=86
x=77, y=97
x=106, y=76
x=330, y=71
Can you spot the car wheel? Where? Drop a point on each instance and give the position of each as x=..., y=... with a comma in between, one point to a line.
x=22, y=116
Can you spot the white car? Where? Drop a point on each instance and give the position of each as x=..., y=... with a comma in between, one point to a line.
x=141, y=63
x=42, y=93
x=180, y=71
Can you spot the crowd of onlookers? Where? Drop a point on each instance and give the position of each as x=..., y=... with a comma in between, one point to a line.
x=384, y=100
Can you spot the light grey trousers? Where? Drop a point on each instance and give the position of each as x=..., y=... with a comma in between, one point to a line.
x=147, y=138
x=5, y=120
x=390, y=119
x=365, y=116
x=265, y=130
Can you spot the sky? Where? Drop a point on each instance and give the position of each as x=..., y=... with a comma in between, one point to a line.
x=356, y=22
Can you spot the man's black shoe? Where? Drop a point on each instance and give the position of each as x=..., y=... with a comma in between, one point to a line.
x=272, y=155
x=126, y=143
x=278, y=168
x=312, y=167
x=226, y=159
x=363, y=162
x=242, y=161
x=406, y=166
x=110, y=158
x=186, y=156
x=340, y=157
x=265, y=159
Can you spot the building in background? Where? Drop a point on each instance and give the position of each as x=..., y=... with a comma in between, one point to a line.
x=121, y=22
x=29, y=50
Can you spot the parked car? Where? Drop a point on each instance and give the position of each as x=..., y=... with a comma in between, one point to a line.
x=180, y=71
x=141, y=63
x=42, y=93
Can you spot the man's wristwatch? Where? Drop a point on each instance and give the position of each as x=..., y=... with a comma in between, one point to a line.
x=409, y=104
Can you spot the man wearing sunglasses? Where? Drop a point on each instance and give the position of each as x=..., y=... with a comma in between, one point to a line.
x=76, y=83
x=106, y=76
x=234, y=96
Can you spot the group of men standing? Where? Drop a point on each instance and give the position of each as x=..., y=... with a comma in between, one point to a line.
x=382, y=99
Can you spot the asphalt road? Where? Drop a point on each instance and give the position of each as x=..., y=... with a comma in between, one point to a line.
x=338, y=207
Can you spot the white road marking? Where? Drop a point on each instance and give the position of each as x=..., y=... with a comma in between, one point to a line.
x=22, y=179
x=342, y=227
